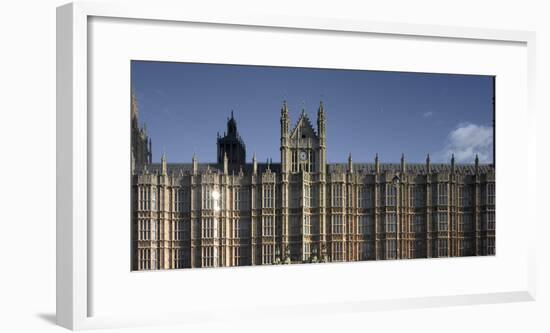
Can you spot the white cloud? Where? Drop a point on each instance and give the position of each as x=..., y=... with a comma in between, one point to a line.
x=427, y=114
x=467, y=140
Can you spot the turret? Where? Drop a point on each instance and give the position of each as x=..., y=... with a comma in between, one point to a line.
x=321, y=121
x=376, y=164
x=195, y=164
x=321, y=130
x=285, y=121
x=163, y=164
x=285, y=124
x=403, y=165
x=477, y=164
x=254, y=165
x=350, y=164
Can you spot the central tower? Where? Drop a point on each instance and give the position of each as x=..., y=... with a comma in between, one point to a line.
x=303, y=148
x=303, y=182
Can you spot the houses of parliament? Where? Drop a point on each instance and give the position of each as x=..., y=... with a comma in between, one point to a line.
x=233, y=212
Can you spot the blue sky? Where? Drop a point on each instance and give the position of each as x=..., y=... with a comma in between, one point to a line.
x=368, y=112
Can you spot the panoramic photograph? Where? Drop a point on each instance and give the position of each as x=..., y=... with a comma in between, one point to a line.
x=241, y=165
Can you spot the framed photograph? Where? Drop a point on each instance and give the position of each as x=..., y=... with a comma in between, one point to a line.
x=285, y=165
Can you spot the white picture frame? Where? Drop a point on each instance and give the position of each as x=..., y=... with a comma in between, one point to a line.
x=73, y=254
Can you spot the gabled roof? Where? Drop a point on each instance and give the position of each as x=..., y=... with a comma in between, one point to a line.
x=304, y=123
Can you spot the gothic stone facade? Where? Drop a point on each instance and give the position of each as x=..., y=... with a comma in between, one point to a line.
x=232, y=213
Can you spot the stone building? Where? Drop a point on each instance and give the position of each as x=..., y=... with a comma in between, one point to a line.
x=303, y=209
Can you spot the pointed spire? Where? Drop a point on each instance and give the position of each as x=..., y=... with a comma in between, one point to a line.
x=452, y=162
x=284, y=109
x=350, y=164
x=477, y=163
x=403, y=165
x=428, y=165
x=376, y=164
x=163, y=163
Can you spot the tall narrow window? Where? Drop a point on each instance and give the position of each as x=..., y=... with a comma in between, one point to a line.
x=207, y=198
x=491, y=221
x=391, y=222
x=390, y=195
x=311, y=161
x=268, y=196
x=337, y=224
x=307, y=196
x=307, y=224
x=338, y=251
x=237, y=199
x=267, y=253
x=490, y=246
x=491, y=193
x=236, y=228
x=337, y=198
x=209, y=227
x=268, y=226
x=442, y=194
x=442, y=247
x=391, y=249
x=460, y=196
x=209, y=256
x=307, y=251
x=442, y=222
